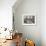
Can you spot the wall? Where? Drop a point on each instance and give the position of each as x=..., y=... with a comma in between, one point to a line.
x=43, y=22
x=6, y=13
x=31, y=31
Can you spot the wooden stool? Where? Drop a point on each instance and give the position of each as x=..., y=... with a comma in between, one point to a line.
x=18, y=39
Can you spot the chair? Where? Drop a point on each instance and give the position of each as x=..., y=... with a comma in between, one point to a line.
x=18, y=39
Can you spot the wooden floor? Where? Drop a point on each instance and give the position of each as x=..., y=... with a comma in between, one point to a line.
x=9, y=43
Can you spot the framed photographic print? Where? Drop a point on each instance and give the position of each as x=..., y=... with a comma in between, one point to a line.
x=28, y=19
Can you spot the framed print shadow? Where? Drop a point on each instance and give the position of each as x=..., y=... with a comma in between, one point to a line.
x=28, y=19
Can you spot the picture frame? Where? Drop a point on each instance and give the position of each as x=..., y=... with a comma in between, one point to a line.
x=28, y=19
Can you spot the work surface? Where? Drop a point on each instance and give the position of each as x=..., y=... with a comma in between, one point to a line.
x=9, y=43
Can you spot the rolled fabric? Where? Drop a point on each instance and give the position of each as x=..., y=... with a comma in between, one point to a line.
x=29, y=43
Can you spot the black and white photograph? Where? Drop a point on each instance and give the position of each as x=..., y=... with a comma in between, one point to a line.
x=29, y=20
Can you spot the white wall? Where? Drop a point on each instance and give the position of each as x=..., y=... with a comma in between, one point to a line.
x=6, y=13
x=43, y=22
x=31, y=32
